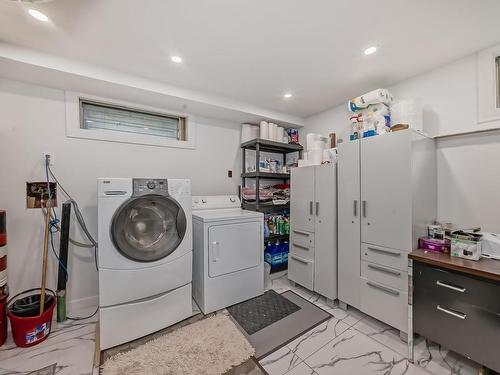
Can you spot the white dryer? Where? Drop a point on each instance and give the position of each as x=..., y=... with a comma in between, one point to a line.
x=145, y=256
x=228, y=252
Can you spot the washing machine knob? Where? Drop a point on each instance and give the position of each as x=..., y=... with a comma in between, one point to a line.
x=203, y=201
x=151, y=185
x=232, y=199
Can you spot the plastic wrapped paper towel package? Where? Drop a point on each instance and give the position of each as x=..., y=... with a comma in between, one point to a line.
x=371, y=113
x=373, y=97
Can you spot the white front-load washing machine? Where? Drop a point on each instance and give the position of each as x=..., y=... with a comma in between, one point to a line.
x=228, y=251
x=144, y=257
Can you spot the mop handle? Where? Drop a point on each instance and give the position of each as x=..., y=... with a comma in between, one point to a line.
x=44, y=262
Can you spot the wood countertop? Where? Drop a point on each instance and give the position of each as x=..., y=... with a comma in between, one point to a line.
x=486, y=268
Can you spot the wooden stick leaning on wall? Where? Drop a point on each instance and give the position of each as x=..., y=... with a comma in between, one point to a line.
x=45, y=256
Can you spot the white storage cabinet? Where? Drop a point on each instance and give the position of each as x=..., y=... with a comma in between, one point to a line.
x=387, y=195
x=312, y=261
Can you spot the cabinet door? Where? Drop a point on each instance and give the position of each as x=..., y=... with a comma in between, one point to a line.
x=302, y=198
x=386, y=190
x=349, y=245
x=325, y=231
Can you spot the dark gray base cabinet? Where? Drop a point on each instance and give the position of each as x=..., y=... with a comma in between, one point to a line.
x=458, y=311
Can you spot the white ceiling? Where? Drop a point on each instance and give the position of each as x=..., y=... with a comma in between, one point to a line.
x=255, y=50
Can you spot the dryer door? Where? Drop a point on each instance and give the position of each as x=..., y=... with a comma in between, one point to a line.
x=234, y=247
x=148, y=228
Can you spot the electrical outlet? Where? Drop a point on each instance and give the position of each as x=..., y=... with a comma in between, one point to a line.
x=50, y=155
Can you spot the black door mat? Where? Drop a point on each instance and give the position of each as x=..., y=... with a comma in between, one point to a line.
x=262, y=311
x=282, y=331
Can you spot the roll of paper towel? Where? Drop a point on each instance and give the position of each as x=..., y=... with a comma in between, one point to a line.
x=315, y=156
x=264, y=130
x=311, y=138
x=249, y=132
x=272, y=131
x=279, y=134
x=318, y=145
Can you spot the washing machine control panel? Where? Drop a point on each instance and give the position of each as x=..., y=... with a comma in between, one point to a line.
x=143, y=186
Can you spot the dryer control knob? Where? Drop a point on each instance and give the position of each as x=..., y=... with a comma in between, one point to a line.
x=232, y=199
x=203, y=201
x=151, y=185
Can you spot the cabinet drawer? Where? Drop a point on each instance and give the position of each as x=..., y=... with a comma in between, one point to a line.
x=385, y=275
x=302, y=237
x=384, y=303
x=301, y=271
x=302, y=251
x=445, y=284
x=385, y=256
x=461, y=327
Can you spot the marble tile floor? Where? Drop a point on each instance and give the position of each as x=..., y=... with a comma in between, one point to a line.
x=70, y=345
x=354, y=343
x=349, y=343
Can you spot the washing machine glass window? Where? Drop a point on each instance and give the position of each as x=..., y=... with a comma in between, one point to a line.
x=148, y=228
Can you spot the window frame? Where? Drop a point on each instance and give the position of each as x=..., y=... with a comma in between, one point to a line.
x=74, y=120
x=488, y=85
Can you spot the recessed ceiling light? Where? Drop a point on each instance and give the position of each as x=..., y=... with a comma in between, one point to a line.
x=176, y=59
x=287, y=95
x=370, y=50
x=38, y=15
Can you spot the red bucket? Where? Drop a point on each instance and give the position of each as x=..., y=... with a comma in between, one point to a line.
x=3, y=314
x=29, y=328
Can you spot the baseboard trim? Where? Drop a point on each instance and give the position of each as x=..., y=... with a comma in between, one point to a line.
x=77, y=305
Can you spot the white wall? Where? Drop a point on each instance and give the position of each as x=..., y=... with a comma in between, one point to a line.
x=468, y=166
x=32, y=120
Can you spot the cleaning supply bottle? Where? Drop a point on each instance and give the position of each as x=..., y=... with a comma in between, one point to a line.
x=284, y=252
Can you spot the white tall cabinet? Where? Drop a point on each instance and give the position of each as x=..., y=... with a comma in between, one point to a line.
x=312, y=261
x=387, y=195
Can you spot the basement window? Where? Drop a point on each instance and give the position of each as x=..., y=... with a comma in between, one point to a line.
x=109, y=117
x=488, y=85
x=497, y=69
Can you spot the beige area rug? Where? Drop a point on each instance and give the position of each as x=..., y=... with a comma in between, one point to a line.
x=209, y=346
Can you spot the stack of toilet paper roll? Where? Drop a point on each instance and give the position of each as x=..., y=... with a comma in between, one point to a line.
x=249, y=132
x=317, y=152
x=316, y=143
x=272, y=132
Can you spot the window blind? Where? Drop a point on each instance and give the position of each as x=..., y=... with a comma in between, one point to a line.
x=114, y=118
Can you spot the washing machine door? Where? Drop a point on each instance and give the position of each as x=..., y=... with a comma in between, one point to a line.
x=148, y=228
